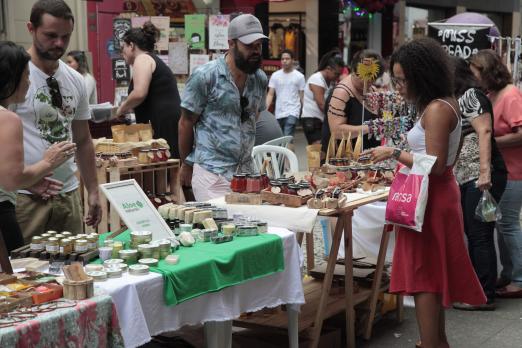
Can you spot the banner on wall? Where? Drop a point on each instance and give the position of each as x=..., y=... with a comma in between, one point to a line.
x=198, y=60
x=163, y=25
x=178, y=57
x=461, y=40
x=218, y=32
x=119, y=28
x=195, y=31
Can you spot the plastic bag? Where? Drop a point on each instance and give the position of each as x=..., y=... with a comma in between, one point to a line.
x=487, y=209
x=409, y=193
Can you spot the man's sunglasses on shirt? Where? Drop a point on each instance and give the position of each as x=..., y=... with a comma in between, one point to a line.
x=54, y=89
x=244, y=113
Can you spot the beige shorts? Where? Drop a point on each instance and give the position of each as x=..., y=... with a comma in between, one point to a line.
x=207, y=185
x=60, y=213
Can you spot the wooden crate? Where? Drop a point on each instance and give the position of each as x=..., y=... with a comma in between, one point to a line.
x=157, y=178
x=283, y=198
x=243, y=198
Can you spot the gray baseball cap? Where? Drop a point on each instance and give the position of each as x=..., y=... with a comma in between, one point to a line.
x=246, y=28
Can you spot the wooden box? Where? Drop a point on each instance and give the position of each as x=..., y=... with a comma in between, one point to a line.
x=21, y=299
x=56, y=291
x=283, y=198
x=78, y=289
x=243, y=198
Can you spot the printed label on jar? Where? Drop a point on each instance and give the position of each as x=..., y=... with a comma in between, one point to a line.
x=93, y=245
x=80, y=248
x=52, y=248
x=37, y=246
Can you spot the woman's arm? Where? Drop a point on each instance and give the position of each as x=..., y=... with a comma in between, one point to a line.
x=511, y=139
x=337, y=119
x=14, y=174
x=482, y=126
x=318, y=92
x=143, y=67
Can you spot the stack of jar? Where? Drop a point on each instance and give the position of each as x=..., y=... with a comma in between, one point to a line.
x=64, y=243
x=147, y=156
x=249, y=183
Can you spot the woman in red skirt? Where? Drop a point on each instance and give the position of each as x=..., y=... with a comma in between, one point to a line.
x=432, y=265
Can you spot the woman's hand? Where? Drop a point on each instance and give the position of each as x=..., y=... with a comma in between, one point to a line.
x=58, y=153
x=484, y=181
x=378, y=154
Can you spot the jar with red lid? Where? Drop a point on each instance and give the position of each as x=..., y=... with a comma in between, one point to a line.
x=293, y=188
x=253, y=183
x=238, y=183
x=265, y=181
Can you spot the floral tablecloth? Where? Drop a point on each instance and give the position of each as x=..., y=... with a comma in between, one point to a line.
x=91, y=323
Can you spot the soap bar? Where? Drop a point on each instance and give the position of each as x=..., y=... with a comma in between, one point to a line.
x=93, y=268
x=172, y=259
x=210, y=224
x=189, y=214
x=163, y=210
x=199, y=216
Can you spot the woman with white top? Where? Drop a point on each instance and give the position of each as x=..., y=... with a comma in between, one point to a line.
x=78, y=61
x=14, y=175
x=312, y=117
x=432, y=265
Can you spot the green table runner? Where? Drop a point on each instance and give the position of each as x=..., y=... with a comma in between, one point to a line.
x=208, y=267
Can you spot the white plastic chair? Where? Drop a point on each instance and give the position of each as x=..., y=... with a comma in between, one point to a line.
x=277, y=155
x=283, y=141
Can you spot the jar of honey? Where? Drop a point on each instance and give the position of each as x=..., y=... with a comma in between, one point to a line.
x=238, y=183
x=143, y=157
x=253, y=183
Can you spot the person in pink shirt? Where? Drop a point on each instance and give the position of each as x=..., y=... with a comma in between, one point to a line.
x=507, y=108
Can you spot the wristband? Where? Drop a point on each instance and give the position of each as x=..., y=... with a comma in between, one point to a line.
x=396, y=153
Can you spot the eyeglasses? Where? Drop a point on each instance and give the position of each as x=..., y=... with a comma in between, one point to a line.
x=398, y=81
x=244, y=113
x=54, y=89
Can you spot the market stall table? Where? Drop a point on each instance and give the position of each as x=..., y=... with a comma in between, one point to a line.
x=143, y=313
x=89, y=323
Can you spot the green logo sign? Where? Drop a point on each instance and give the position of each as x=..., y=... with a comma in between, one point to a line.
x=133, y=205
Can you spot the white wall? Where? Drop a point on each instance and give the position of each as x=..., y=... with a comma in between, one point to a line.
x=18, y=13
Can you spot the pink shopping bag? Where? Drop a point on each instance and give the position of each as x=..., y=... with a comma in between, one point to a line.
x=409, y=193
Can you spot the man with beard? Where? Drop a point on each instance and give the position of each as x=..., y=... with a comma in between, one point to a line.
x=221, y=102
x=56, y=109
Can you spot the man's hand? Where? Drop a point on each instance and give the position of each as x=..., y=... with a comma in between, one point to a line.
x=94, y=215
x=185, y=175
x=46, y=187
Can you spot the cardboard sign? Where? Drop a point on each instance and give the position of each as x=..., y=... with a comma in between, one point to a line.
x=461, y=40
x=135, y=208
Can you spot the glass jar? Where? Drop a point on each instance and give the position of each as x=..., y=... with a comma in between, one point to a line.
x=292, y=189
x=143, y=157
x=116, y=247
x=168, y=197
x=284, y=186
x=162, y=154
x=155, y=156
x=166, y=153
x=66, y=246
x=238, y=183
x=275, y=187
x=37, y=243
x=92, y=241
x=265, y=181
x=253, y=184
x=81, y=245
x=52, y=246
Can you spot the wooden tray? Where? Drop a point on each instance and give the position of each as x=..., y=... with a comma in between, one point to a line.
x=283, y=198
x=26, y=251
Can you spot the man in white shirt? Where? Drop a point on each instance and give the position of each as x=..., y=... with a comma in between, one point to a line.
x=288, y=85
x=56, y=109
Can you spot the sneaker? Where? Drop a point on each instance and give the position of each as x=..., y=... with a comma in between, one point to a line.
x=468, y=307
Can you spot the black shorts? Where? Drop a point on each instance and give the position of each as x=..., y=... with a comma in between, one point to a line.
x=312, y=128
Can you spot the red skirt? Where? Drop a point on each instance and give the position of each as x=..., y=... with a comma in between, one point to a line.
x=436, y=260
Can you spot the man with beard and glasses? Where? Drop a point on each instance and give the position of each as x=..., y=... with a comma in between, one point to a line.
x=220, y=105
x=55, y=110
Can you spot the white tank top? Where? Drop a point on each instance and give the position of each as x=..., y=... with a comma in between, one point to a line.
x=417, y=138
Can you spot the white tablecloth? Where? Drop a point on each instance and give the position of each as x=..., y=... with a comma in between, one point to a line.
x=142, y=311
x=300, y=219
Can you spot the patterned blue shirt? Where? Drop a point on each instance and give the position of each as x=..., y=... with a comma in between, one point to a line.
x=222, y=143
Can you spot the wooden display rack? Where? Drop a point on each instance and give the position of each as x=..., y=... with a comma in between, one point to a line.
x=158, y=177
x=320, y=304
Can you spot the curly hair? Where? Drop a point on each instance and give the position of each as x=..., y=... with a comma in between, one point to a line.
x=494, y=75
x=13, y=61
x=144, y=38
x=427, y=70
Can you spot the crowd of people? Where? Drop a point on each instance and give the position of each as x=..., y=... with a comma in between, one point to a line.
x=469, y=116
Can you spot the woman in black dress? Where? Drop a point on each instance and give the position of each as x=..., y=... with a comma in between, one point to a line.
x=153, y=91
